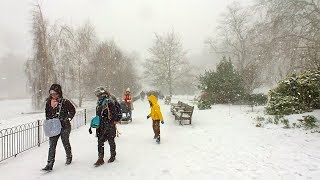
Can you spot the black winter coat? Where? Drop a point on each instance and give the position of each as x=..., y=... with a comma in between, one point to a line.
x=107, y=122
x=67, y=111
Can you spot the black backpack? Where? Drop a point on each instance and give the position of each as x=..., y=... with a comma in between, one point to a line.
x=118, y=111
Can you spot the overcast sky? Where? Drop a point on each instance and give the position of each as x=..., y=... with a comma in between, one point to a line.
x=131, y=23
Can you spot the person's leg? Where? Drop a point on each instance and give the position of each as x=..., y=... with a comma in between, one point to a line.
x=52, y=152
x=130, y=113
x=111, y=140
x=157, y=128
x=154, y=129
x=101, y=139
x=65, y=134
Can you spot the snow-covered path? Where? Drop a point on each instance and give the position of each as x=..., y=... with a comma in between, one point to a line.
x=222, y=143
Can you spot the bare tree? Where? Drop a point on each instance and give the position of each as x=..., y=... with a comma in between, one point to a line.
x=39, y=68
x=167, y=62
x=110, y=67
x=293, y=28
x=234, y=40
x=76, y=59
x=77, y=50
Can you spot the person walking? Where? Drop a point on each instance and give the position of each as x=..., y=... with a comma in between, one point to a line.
x=156, y=117
x=58, y=107
x=109, y=114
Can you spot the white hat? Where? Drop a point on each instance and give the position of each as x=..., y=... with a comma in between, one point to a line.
x=128, y=89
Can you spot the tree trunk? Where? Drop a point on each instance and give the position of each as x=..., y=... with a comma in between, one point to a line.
x=79, y=78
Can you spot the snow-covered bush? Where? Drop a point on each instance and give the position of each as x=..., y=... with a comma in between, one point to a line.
x=309, y=122
x=277, y=119
x=283, y=105
x=296, y=94
x=259, y=121
x=285, y=122
x=204, y=104
x=255, y=99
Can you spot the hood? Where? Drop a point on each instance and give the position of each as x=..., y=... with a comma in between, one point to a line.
x=153, y=99
x=57, y=88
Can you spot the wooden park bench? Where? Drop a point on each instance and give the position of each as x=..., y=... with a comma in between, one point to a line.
x=182, y=112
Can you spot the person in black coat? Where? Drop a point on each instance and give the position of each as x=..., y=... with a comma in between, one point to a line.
x=67, y=112
x=107, y=110
x=142, y=95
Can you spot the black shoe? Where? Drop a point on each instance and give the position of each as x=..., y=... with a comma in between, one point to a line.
x=69, y=160
x=158, y=139
x=48, y=167
x=111, y=159
x=154, y=137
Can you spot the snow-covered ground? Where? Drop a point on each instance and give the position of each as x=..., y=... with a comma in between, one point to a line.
x=222, y=143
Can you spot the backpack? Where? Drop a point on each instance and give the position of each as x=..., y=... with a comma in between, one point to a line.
x=115, y=108
x=118, y=110
x=95, y=121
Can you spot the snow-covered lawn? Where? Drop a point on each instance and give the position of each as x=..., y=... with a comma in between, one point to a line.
x=17, y=112
x=222, y=143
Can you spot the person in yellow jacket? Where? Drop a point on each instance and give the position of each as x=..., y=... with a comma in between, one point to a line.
x=156, y=117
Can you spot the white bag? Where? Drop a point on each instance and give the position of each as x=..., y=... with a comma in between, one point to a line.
x=52, y=127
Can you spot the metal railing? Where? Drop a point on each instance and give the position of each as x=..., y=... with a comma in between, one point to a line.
x=21, y=138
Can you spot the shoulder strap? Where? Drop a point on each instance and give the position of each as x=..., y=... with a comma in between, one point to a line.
x=104, y=102
x=106, y=107
x=60, y=106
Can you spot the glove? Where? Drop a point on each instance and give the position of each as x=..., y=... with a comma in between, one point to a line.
x=148, y=117
x=90, y=131
x=162, y=122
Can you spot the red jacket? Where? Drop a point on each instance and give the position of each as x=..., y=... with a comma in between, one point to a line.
x=127, y=98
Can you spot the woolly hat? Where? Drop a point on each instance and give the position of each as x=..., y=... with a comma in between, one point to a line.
x=99, y=91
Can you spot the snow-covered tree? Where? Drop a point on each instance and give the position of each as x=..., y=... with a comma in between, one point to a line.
x=167, y=63
x=40, y=67
x=223, y=86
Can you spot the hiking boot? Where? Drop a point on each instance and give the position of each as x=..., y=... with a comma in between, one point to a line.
x=48, y=167
x=69, y=160
x=99, y=162
x=112, y=158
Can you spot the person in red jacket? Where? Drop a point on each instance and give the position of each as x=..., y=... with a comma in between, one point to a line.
x=128, y=100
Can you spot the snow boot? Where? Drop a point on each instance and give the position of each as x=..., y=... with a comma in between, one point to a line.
x=48, y=167
x=112, y=158
x=99, y=162
x=158, y=140
x=69, y=160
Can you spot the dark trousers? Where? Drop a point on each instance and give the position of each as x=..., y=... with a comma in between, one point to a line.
x=107, y=135
x=65, y=134
x=156, y=127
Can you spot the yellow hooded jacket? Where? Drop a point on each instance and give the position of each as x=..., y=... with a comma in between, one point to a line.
x=155, y=109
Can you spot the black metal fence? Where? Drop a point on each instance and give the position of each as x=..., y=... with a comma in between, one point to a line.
x=21, y=138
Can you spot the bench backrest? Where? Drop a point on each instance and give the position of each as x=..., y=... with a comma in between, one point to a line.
x=187, y=107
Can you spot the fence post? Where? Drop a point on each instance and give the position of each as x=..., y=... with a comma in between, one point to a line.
x=85, y=116
x=38, y=133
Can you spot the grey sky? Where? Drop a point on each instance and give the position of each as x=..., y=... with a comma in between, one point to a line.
x=131, y=23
